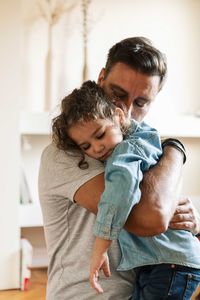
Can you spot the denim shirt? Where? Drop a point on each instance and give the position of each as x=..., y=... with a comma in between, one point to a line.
x=140, y=150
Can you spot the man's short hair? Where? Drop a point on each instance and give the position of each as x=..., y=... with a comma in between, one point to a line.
x=139, y=54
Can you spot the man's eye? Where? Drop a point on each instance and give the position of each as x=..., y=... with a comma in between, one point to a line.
x=118, y=95
x=140, y=103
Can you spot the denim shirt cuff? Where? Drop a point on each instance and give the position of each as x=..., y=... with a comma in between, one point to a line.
x=106, y=232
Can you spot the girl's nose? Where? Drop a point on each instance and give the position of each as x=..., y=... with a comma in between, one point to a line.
x=98, y=148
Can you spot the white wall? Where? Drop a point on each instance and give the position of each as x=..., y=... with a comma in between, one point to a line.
x=9, y=150
x=173, y=26
x=191, y=170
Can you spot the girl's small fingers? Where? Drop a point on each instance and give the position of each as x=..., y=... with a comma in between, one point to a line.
x=95, y=284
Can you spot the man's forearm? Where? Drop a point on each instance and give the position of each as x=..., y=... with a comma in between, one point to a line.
x=160, y=188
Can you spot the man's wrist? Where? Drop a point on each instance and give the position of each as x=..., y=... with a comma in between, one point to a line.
x=175, y=143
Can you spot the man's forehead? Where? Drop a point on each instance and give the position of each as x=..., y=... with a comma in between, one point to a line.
x=131, y=79
x=121, y=68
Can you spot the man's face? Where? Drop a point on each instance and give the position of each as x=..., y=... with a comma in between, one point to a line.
x=136, y=90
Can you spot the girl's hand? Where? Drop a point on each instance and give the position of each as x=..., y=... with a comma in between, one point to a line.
x=98, y=262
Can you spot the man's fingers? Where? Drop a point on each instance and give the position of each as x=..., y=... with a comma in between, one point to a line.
x=186, y=216
x=182, y=225
x=186, y=224
x=191, y=226
x=184, y=200
x=181, y=218
x=185, y=207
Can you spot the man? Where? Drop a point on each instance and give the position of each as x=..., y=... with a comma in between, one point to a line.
x=134, y=73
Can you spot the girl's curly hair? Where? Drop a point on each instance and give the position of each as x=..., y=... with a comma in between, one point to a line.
x=84, y=104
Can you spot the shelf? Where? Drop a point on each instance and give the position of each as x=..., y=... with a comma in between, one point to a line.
x=34, y=252
x=185, y=126
x=40, y=258
x=39, y=123
x=35, y=123
x=30, y=215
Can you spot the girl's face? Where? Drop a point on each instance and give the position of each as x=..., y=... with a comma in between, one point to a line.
x=97, y=138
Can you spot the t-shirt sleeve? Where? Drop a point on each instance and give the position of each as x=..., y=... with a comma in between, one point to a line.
x=60, y=176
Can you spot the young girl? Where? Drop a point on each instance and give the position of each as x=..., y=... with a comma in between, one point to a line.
x=167, y=266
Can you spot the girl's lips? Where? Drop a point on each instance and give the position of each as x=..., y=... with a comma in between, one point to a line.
x=106, y=155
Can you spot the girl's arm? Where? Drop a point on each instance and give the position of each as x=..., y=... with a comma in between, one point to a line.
x=123, y=174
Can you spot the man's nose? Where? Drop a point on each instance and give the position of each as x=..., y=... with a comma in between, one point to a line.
x=130, y=110
x=129, y=106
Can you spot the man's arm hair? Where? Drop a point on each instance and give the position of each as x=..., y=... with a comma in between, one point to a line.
x=159, y=195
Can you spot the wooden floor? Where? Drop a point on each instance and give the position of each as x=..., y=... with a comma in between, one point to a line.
x=37, y=289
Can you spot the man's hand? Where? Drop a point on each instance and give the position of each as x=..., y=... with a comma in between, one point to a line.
x=186, y=216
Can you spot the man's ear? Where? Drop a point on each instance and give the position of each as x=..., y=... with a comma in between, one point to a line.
x=101, y=76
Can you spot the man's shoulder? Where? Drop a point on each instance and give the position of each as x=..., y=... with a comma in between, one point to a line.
x=60, y=174
x=52, y=154
x=51, y=150
x=55, y=164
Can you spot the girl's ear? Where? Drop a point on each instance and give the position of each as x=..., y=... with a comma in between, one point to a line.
x=121, y=115
x=101, y=76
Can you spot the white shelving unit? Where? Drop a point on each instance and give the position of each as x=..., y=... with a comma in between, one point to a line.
x=183, y=126
x=30, y=215
x=35, y=130
x=35, y=123
x=187, y=129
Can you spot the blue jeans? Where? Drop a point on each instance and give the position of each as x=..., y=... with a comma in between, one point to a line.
x=165, y=282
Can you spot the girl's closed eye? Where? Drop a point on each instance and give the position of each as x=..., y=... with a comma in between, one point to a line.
x=100, y=135
x=85, y=147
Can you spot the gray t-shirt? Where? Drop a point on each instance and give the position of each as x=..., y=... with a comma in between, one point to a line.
x=69, y=232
